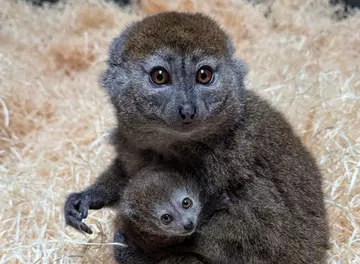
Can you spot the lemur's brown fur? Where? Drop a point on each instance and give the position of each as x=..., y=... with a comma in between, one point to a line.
x=236, y=142
x=175, y=30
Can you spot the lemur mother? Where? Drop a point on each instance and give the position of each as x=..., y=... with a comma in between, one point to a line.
x=180, y=100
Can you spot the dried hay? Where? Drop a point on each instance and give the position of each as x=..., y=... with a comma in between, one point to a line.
x=54, y=116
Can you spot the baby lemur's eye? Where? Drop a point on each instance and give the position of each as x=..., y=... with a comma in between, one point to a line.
x=159, y=76
x=204, y=75
x=166, y=219
x=187, y=203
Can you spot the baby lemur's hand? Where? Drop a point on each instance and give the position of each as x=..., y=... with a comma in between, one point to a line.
x=224, y=199
x=215, y=204
x=220, y=202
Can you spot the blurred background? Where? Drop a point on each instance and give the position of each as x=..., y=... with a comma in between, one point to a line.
x=303, y=57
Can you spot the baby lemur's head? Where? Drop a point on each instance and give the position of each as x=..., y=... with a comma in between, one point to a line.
x=162, y=203
x=173, y=75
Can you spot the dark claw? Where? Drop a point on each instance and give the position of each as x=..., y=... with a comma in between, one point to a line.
x=85, y=228
x=71, y=221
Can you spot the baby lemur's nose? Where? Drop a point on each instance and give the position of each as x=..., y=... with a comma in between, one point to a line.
x=189, y=226
x=187, y=112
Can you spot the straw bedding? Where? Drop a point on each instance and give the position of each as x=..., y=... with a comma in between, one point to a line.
x=54, y=116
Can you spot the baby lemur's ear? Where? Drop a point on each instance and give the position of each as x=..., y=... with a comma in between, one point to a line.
x=116, y=49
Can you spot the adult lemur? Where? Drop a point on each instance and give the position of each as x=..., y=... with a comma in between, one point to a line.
x=180, y=100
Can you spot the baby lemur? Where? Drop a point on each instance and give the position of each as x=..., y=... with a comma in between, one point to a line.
x=179, y=99
x=160, y=208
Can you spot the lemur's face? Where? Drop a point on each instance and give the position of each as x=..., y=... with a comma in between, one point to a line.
x=182, y=84
x=178, y=215
x=180, y=93
x=162, y=201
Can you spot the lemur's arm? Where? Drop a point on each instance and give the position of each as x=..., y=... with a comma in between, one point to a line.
x=105, y=191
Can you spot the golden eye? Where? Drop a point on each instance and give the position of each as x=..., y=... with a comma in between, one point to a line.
x=159, y=76
x=204, y=75
x=166, y=219
x=187, y=203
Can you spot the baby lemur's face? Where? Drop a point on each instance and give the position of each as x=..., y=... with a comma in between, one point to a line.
x=162, y=202
x=174, y=73
x=178, y=215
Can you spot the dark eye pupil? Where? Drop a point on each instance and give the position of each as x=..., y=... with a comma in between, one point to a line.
x=203, y=75
x=160, y=76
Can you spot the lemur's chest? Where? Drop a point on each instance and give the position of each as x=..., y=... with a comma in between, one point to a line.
x=134, y=161
x=215, y=169
x=220, y=170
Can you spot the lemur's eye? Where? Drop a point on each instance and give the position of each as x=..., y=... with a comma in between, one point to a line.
x=204, y=75
x=159, y=76
x=187, y=203
x=166, y=219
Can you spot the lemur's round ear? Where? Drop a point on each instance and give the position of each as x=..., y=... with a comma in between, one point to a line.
x=240, y=67
x=116, y=49
x=230, y=45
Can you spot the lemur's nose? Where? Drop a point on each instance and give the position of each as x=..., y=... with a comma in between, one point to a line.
x=189, y=226
x=187, y=112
